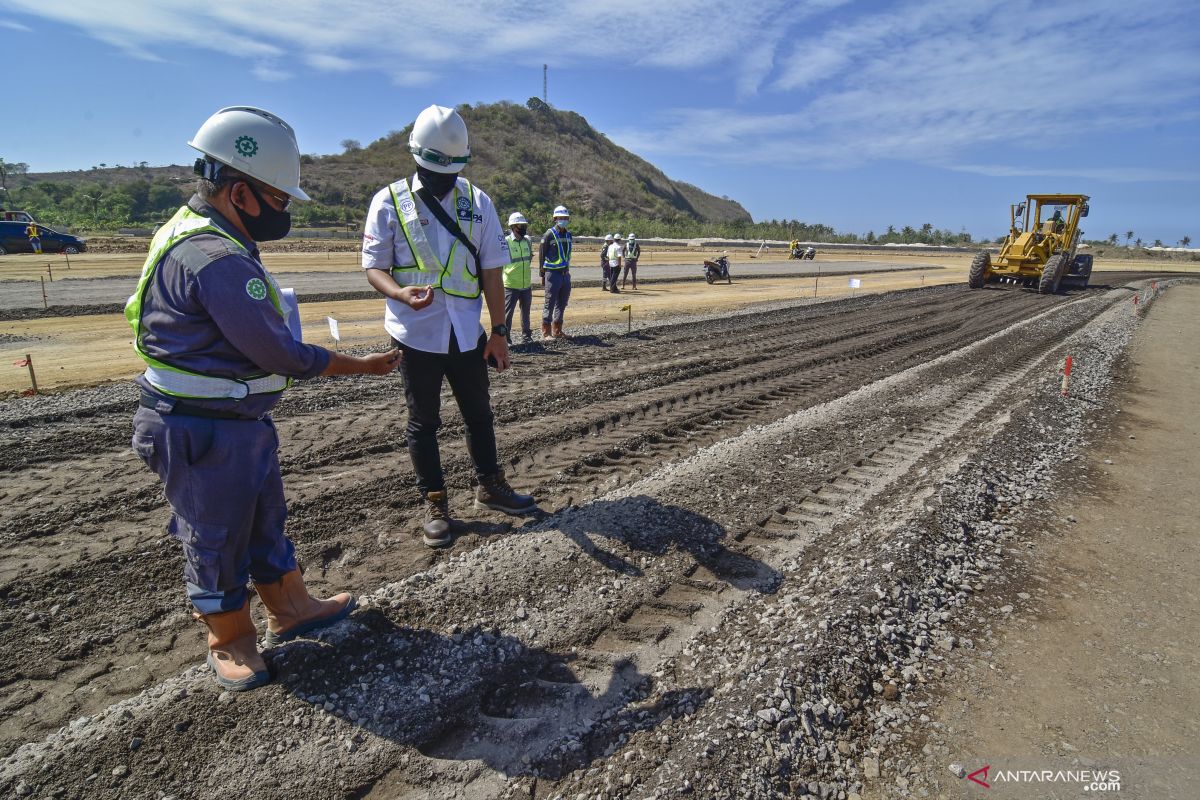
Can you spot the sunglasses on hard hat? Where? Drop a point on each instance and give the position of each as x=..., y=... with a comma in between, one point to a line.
x=438, y=157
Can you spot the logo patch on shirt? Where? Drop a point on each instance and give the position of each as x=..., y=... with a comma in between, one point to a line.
x=406, y=206
x=256, y=288
x=464, y=203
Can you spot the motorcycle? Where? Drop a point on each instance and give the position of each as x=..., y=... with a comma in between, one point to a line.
x=802, y=253
x=716, y=270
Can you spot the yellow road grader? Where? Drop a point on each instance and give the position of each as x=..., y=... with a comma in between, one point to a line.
x=1040, y=247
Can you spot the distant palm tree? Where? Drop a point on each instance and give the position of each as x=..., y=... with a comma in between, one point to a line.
x=1112, y=239
x=1128, y=236
x=1138, y=243
x=1185, y=241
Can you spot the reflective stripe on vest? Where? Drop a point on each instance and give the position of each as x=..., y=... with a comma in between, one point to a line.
x=632, y=251
x=562, y=259
x=520, y=255
x=173, y=380
x=457, y=276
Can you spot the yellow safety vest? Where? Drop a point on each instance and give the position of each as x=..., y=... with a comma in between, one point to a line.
x=520, y=256
x=180, y=382
x=455, y=277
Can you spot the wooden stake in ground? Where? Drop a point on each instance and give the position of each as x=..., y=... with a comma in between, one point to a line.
x=817, y=281
x=67, y=256
x=629, y=308
x=45, y=302
x=50, y=272
x=27, y=361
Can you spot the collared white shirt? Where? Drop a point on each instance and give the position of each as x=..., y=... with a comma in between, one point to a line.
x=384, y=246
x=615, y=251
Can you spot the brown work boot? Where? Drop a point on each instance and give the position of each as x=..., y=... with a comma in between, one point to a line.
x=233, y=649
x=545, y=330
x=557, y=331
x=292, y=611
x=436, y=530
x=495, y=493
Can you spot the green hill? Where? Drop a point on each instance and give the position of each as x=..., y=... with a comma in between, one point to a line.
x=527, y=158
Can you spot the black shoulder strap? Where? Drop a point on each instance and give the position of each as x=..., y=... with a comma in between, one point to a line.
x=449, y=224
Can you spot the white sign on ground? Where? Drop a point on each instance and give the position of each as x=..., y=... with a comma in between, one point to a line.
x=855, y=283
x=333, y=328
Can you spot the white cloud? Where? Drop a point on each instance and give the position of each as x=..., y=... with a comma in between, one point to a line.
x=270, y=72
x=930, y=82
x=429, y=36
x=16, y=26
x=1109, y=174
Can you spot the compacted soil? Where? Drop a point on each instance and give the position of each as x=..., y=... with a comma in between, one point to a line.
x=764, y=539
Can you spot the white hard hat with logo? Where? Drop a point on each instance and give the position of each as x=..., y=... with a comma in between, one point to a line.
x=439, y=140
x=255, y=142
x=517, y=218
x=561, y=211
x=632, y=237
x=608, y=237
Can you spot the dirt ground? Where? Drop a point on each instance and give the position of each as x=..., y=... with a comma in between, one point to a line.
x=1094, y=667
x=770, y=541
x=61, y=360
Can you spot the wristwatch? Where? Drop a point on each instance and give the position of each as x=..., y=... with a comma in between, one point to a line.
x=500, y=330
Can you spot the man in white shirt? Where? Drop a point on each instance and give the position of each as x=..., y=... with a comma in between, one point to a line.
x=615, y=255
x=432, y=245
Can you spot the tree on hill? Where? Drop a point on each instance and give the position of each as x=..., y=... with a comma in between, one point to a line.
x=1185, y=241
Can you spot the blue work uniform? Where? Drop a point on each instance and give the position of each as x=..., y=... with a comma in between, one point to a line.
x=555, y=265
x=204, y=311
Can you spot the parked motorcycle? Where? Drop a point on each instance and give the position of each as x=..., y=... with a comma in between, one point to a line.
x=718, y=269
x=802, y=253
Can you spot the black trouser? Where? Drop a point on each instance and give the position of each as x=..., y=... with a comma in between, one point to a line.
x=467, y=372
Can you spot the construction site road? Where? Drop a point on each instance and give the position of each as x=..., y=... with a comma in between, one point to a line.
x=760, y=535
x=67, y=295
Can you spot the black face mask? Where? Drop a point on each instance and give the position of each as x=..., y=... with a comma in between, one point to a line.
x=519, y=231
x=269, y=225
x=437, y=182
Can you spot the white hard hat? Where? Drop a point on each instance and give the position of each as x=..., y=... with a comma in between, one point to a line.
x=608, y=237
x=561, y=211
x=439, y=140
x=517, y=218
x=632, y=237
x=255, y=142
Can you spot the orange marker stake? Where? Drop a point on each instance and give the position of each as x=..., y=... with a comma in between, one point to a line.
x=1066, y=376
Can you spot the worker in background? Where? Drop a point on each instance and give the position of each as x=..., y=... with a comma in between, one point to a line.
x=1057, y=219
x=554, y=264
x=605, y=268
x=616, y=254
x=633, y=251
x=518, y=280
x=35, y=238
x=212, y=327
x=439, y=235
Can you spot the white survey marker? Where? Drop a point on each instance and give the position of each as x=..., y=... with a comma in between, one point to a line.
x=855, y=283
x=333, y=328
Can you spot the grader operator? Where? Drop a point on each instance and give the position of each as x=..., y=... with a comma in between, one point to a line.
x=1040, y=247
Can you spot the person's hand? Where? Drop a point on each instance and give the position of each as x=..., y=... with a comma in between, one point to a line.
x=416, y=297
x=497, y=349
x=381, y=363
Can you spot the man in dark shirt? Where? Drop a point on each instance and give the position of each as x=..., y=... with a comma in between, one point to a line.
x=212, y=327
x=554, y=265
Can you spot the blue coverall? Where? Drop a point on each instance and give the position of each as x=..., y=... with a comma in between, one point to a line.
x=204, y=312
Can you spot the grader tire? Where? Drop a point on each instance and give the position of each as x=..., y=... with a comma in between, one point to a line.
x=1051, y=275
x=977, y=276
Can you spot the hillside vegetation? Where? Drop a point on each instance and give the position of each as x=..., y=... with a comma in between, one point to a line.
x=528, y=157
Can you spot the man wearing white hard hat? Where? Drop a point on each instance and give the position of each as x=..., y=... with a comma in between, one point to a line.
x=518, y=281
x=438, y=234
x=554, y=265
x=616, y=255
x=633, y=251
x=605, y=268
x=213, y=329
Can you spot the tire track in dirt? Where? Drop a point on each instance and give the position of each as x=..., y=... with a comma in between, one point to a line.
x=341, y=523
x=622, y=583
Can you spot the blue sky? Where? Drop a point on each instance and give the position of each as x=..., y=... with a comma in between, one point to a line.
x=853, y=114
